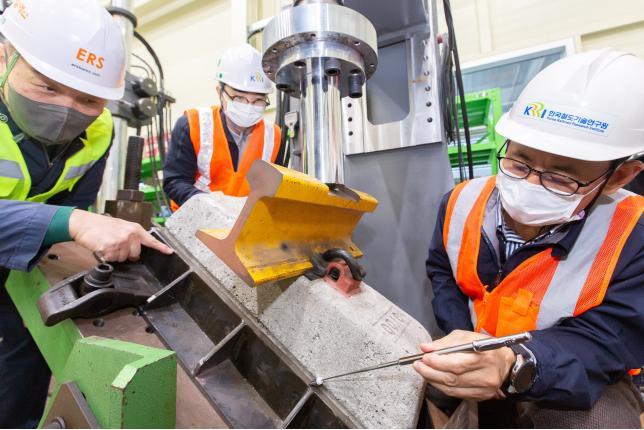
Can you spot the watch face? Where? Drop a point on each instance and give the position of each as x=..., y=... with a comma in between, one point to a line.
x=524, y=376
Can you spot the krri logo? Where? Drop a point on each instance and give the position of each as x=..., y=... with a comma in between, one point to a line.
x=535, y=109
x=256, y=77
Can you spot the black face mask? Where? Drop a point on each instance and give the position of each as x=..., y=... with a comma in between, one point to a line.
x=47, y=123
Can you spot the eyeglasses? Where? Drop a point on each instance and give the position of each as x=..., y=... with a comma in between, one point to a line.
x=261, y=103
x=554, y=182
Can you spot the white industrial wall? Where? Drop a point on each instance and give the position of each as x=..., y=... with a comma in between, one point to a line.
x=189, y=35
x=489, y=27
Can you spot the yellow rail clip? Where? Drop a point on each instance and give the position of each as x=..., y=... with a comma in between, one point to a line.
x=287, y=217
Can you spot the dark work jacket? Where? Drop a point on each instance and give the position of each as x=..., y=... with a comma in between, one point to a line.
x=23, y=224
x=579, y=356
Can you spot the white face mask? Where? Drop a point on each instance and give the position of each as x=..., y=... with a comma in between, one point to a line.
x=243, y=114
x=533, y=205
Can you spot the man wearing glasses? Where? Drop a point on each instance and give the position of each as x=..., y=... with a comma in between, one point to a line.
x=553, y=245
x=212, y=148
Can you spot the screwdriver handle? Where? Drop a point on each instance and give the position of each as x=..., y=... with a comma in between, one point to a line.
x=482, y=345
x=500, y=342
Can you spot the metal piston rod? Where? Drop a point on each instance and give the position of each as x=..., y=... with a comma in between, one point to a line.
x=322, y=123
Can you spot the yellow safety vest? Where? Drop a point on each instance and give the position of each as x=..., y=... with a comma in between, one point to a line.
x=15, y=181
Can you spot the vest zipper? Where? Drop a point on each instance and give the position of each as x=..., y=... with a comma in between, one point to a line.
x=50, y=162
x=499, y=273
x=44, y=150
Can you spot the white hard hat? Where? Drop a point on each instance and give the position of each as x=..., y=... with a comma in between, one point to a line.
x=588, y=106
x=73, y=42
x=241, y=68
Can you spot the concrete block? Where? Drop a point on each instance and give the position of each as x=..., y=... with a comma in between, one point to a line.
x=330, y=334
x=327, y=332
x=216, y=211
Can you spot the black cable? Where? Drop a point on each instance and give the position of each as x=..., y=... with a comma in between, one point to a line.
x=155, y=178
x=254, y=33
x=287, y=139
x=448, y=107
x=161, y=96
x=459, y=85
x=155, y=173
x=158, y=184
x=136, y=66
x=161, y=138
x=168, y=117
x=148, y=67
x=459, y=150
x=282, y=108
x=153, y=54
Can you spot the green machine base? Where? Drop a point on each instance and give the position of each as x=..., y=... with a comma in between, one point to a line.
x=125, y=385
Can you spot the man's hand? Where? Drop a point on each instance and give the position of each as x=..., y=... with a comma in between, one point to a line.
x=474, y=376
x=115, y=239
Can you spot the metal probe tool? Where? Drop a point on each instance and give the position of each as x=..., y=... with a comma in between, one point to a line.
x=476, y=346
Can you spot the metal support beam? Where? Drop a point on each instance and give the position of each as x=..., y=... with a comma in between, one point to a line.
x=115, y=168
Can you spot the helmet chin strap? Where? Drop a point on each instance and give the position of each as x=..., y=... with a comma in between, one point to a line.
x=9, y=66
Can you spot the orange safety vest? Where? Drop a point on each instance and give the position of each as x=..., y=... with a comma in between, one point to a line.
x=543, y=289
x=215, y=166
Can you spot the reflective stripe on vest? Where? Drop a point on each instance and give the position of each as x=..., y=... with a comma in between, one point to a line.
x=11, y=169
x=206, y=148
x=78, y=171
x=15, y=181
x=269, y=143
x=214, y=162
x=562, y=298
x=460, y=207
x=542, y=290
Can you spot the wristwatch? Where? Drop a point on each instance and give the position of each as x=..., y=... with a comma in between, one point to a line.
x=524, y=371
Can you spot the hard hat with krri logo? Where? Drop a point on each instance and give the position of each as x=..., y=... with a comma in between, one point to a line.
x=241, y=69
x=588, y=106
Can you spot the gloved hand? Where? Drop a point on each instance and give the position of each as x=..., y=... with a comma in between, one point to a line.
x=114, y=239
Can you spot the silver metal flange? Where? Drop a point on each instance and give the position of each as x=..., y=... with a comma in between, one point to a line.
x=319, y=30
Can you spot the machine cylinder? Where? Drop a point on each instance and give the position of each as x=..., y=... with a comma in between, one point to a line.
x=322, y=155
x=332, y=67
x=312, y=52
x=355, y=85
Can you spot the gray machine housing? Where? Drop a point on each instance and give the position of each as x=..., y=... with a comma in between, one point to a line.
x=395, y=150
x=393, y=144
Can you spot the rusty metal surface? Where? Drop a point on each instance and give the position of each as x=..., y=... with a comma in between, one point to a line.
x=134, y=211
x=70, y=410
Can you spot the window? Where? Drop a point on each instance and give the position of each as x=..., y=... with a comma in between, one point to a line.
x=512, y=71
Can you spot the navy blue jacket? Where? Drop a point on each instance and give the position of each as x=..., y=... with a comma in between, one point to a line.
x=578, y=357
x=23, y=224
x=180, y=167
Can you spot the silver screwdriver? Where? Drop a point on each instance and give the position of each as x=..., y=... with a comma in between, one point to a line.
x=476, y=346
